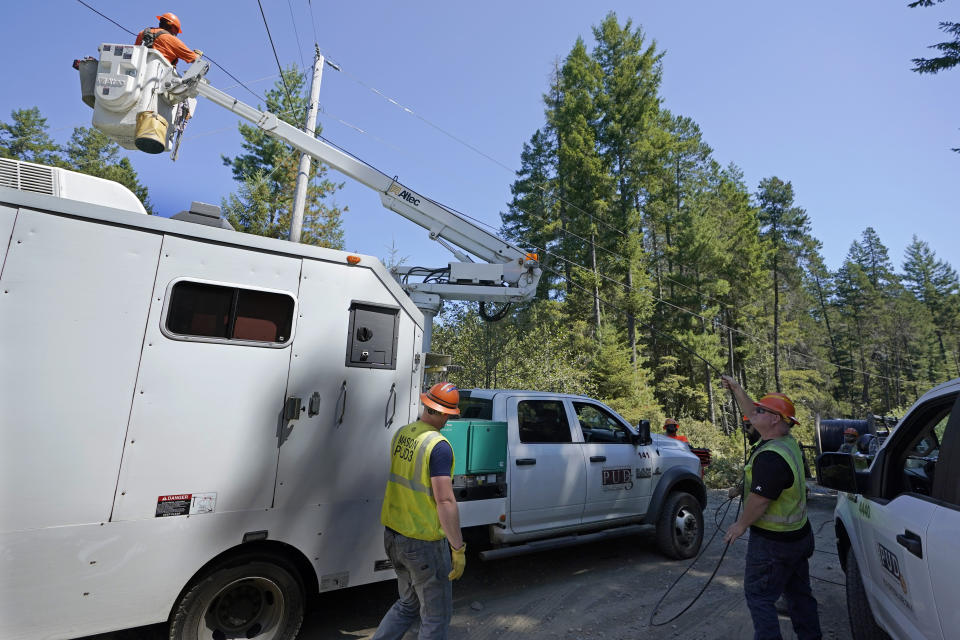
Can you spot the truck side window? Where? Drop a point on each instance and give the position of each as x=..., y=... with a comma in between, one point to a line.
x=599, y=425
x=542, y=421
x=918, y=460
x=202, y=310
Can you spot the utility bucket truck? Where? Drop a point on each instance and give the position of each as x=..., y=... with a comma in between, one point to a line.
x=195, y=422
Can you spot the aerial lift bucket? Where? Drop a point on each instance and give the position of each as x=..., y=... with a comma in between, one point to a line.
x=151, y=132
x=88, y=80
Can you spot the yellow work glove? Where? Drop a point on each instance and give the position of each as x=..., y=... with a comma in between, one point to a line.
x=198, y=52
x=459, y=559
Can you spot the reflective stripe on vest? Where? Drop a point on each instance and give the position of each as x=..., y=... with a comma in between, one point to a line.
x=409, y=507
x=789, y=511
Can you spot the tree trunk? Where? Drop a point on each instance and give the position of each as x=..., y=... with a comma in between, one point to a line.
x=596, y=283
x=776, y=325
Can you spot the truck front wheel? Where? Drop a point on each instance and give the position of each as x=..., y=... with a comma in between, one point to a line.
x=862, y=624
x=244, y=598
x=680, y=526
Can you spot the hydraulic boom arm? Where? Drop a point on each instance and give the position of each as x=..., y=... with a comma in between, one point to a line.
x=510, y=275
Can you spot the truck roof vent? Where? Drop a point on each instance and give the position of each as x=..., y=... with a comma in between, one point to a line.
x=62, y=183
x=203, y=213
x=27, y=177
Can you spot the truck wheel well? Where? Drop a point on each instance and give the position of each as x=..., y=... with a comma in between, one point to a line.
x=696, y=489
x=843, y=543
x=259, y=549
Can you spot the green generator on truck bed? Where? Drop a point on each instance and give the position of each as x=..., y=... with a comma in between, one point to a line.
x=480, y=458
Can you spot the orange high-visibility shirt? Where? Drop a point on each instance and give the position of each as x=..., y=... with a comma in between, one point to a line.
x=679, y=437
x=170, y=47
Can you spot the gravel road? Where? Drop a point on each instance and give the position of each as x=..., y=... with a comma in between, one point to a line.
x=602, y=591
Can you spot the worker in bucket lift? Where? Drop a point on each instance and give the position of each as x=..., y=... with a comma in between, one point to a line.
x=781, y=540
x=421, y=520
x=850, y=436
x=670, y=425
x=164, y=40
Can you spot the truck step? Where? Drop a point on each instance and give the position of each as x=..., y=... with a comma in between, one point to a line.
x=559, y=543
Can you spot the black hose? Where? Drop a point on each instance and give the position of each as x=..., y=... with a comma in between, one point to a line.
x=656, y=607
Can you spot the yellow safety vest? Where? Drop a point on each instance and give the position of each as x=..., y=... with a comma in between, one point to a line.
x=789, y=511
x=408, y=505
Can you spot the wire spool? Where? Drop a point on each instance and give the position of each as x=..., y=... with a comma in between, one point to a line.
x=829, y=431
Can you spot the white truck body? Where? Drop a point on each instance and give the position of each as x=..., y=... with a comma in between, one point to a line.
x=896, y=521
x=133, y=455
x=574, y=464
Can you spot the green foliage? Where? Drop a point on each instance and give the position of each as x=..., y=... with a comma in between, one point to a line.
x=88, y=151
x=267, y=172
x=661, y=269
x=26, y=138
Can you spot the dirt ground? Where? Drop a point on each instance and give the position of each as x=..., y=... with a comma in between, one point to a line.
x=602, y=591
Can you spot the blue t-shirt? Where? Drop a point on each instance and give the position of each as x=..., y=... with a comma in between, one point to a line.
x=441, y=459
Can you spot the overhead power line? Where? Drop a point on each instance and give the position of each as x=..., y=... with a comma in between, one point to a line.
x=275, y=56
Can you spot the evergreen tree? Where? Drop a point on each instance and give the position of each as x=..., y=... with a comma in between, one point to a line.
x=935, y=285
x=784, y=226
x=583, y=180
x=267, y=173
x=90, y=151
x=26, y=138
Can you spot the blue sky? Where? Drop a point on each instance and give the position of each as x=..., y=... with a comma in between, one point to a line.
x=817, y=93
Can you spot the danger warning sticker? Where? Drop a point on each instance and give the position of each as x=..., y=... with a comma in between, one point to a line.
x=182, y=504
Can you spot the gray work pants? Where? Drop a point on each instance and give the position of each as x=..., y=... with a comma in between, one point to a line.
x=425, y=590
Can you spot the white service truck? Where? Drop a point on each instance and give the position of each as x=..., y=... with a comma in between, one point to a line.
x=573, y=467
x=896, y=520
x=195, y=422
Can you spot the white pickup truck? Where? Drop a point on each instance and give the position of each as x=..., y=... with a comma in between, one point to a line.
x=897, y=522
x=574, y=471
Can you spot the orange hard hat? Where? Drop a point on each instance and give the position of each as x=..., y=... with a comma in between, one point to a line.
x=670, y=422
x=173, y=20
x=443, y=397
x=850, y=431
x=780, y=404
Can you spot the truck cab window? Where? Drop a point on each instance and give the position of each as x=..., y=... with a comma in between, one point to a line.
x=472, y=408
x=599, y=425
x=542, y=421
x=918, y=460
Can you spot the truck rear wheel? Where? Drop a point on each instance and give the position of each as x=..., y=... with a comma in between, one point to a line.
x=862, y=624
x=680, y=526
x=245, y=598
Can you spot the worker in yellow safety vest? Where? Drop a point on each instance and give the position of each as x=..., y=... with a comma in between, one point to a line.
x=421, y=520
x=781, y=540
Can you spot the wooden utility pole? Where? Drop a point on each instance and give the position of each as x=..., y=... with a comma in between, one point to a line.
x=303, y=173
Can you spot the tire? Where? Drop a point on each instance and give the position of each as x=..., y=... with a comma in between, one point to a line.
x=260, y=597
x=680, y=526
x=863, y=626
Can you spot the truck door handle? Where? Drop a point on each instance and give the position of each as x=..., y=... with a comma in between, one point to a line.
x=911, y=542
x=341, y=403
x=523, y=461
x=598, y=458
x=388, y=413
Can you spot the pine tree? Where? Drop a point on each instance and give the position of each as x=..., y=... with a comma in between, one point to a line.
x=90, y=151
x=267, y=172
x=935, y=285
x=784, y=226
x=26, y=138
x=585, y=184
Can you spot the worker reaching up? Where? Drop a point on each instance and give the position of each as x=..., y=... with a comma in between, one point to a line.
x=775, y=511
x=164, y=39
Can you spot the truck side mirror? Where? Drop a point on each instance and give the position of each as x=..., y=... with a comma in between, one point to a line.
x=643, y=433
x=836, y=471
